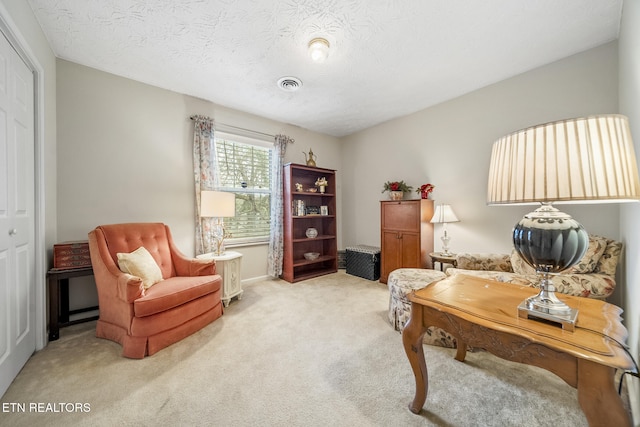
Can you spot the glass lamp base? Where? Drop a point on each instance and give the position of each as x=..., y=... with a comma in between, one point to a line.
x=445, y=242
x=550, y=241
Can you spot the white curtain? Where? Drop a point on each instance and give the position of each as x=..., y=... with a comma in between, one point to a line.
x=205, y=173
x=276, y=244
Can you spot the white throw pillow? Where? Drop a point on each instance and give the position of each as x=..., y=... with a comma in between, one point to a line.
x=140, y=263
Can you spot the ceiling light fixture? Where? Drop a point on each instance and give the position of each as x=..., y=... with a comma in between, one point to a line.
x=319, y=49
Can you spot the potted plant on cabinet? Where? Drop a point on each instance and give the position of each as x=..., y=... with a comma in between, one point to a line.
x=424, y=190
x=396, y=189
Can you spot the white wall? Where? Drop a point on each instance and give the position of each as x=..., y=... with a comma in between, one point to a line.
x=449, y=145
x=629, y=52
x=125, y=155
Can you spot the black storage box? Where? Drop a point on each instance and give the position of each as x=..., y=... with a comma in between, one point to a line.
x=363, y=261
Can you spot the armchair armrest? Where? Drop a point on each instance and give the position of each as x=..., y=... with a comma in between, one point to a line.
x=194, y=267
x=108, y=276
x=129, y=287
x=484, y=261
x=190, y=267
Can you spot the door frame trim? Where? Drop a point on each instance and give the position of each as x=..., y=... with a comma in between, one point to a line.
x=21, y=46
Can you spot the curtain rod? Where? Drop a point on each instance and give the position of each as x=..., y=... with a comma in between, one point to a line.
x=239, y=128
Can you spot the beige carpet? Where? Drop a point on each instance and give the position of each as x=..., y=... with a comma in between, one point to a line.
x=315, y=353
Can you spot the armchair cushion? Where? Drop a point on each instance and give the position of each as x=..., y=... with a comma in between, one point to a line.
x=173, y=292
x=140, y=263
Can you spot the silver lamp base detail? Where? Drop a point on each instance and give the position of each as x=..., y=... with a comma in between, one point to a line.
x=529, y=308
x=550, y=241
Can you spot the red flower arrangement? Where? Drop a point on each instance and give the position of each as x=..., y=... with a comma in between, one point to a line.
x=425, y=190
x=396, y=186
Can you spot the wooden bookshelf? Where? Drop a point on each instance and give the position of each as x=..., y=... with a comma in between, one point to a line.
x=298, y=220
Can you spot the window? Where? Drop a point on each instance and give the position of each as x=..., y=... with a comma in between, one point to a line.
x=244, y=168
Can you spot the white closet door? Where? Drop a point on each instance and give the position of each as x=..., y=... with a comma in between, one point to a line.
x=17, y=216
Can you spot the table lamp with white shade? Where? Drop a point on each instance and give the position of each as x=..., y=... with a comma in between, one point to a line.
x=444, y=214
x=582, y=160
x=217, y=204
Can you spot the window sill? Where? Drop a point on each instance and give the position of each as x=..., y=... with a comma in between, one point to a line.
x=245, y=244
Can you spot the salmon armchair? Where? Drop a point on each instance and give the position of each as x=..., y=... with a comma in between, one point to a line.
x=145, y=321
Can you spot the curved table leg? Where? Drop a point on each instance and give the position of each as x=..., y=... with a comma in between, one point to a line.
x=461, y=351
x=598, y=397
x=412, y=339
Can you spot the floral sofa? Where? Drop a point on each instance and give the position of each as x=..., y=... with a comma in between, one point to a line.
x=592, y=277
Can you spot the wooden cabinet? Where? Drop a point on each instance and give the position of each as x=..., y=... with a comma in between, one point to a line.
x=309, y=222
x=406, y=235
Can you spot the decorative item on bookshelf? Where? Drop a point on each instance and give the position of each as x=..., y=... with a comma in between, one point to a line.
x=311, y=233
x=313, y=210
x=298, y=208
x=311, y=161
x=322, y=184
x=311, y=255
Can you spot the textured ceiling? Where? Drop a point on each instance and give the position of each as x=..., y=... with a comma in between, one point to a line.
x=387, y=58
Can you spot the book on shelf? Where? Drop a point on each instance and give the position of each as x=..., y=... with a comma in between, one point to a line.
x=298, y=208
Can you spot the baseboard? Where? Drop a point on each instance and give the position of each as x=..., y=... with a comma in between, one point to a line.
x=255, y=279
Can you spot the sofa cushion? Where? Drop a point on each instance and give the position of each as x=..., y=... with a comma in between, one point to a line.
x=519, y=265
x=609, y=259
x=591, y=258
x=498, y=276
x=597, y=286
x=484, y=261
x=173, y=292
x=140, y=263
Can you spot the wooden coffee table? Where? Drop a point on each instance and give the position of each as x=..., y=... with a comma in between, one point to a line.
x=482, y=313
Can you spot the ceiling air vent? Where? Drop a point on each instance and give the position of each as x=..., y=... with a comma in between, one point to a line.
x=289, y=84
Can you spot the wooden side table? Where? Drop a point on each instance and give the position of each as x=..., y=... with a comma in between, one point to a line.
x=58, y=282
x=442, y=259
x=586, y=359
x=228, y=266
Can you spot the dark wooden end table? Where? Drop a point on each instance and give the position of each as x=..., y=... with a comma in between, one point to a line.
x=442, y=259
x=58, y=282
